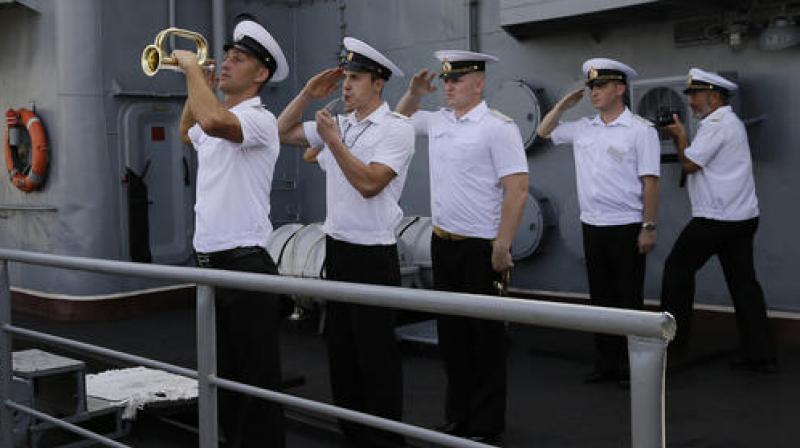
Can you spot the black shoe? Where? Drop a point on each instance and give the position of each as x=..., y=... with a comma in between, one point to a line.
x=598, y=375
x=757, y=365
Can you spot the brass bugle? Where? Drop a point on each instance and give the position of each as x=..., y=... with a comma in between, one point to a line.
x=154, y=56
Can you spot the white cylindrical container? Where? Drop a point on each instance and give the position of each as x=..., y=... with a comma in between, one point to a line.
x=278, y=243
x=414, y=234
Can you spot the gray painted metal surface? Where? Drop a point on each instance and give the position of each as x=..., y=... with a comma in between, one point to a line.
x=206, y=366
x=78, y=62
x=648, y=333
x=6, y=417
x=65, y=425
x=33, y=5
x=513, y=12
x=648, y=361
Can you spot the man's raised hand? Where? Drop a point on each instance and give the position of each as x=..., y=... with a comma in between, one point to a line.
x=421, y=83
x=324, y=83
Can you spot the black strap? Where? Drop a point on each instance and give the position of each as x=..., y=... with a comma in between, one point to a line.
x=403, y=230
x=283, y=247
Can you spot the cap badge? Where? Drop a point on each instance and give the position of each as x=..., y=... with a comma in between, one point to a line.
x=446, y=66
x=689, y=81
x=593, y=74
x=349, y=56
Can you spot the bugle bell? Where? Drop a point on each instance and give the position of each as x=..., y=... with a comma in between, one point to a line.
x=154, y=56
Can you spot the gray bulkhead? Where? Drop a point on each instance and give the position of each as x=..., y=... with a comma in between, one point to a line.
x=78, y=61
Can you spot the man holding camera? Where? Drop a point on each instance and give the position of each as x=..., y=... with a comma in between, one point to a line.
x=724, y=219
x=617, y=164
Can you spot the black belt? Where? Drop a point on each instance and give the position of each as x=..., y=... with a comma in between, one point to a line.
x=222, y=258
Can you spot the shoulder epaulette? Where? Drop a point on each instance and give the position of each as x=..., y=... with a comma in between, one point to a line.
x=644, y=120
x=399, y=115
x=717, y=117
x=501, y=115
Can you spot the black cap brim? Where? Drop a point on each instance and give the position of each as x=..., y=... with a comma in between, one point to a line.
x=357, y=66
x=245, y=48
x=597, y=82
x=452, y=75
x=253, y=48
x=711, y=88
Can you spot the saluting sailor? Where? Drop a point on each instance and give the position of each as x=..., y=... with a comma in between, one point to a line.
x=617, y=164
x=724, y=219
x=237, y=145
x=479, y=185
x=365, y=158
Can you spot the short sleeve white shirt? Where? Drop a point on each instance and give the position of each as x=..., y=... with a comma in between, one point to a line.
x=610, y=160
x=234, y=181
x=724, y=188
x=383, y=137
x=468, y=156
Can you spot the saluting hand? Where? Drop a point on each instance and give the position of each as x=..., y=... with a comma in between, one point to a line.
x=324, y=83
x=571, y=99
x=326, y=126
x=421, y=83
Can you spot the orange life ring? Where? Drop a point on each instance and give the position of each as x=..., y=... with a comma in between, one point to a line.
x=27, y=178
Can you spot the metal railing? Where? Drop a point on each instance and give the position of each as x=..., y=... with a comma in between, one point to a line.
x=648, y=335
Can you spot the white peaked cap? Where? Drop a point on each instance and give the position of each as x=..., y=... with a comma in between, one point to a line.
x=605, y=69
x=456, y=63
x=708, y=78
x=463, y=55
x=362, y=56
x=269, y=47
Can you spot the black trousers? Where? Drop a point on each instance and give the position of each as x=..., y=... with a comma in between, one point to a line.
x=732, y=242
x=473, y=350
x=616, y=279
x=248, y=351
x=365, y=366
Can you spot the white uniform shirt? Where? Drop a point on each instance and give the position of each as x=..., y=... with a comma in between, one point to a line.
x=468, y=156
x=610, y=159
x=383, y=137
x=724, y=188
x=234, y=181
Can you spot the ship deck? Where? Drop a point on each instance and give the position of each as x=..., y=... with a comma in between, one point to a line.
x=707, y=404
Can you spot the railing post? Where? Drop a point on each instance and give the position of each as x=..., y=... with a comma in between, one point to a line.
x=206, y=367
x=6, y=418
x=647, y=362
